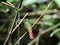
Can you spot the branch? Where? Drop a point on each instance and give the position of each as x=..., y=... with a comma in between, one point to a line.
x=49, y=29
x=12, y=31
x=19, y=23
x=8, y=4
x=42, y=13
x=38, y=12
x=20, y=38
x=54, y=32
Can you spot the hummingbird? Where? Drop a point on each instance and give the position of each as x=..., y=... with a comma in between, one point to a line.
x=29, y=28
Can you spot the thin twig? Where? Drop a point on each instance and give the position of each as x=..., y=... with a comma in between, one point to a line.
x=19, y=23
x=6, y=39
x=11, y=4
x=39, y=35
x=38, y=12
x=8, y=4
x=40, y=16
x=54, y=32
x=49, y=29
x=10, y=30
x=20, y=39
x=42, y=13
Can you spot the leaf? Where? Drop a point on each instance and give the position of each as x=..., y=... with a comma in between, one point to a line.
x=58, y=43
x=48, y=20
x=4, y=7
x=58, y=33
x=57, y=2
x=12, y=0
x=30, y=2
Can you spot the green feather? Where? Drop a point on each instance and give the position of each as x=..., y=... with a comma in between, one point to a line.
x=27, y=24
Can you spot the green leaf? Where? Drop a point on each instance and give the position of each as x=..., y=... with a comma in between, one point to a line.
x=58, y=33
x=2, y=6
x=48, y=20
x=58, y=43
x=12, y=0
x=57, y=2
x=30, y=2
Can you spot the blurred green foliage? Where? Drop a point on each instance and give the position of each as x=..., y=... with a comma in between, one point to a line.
x=48, y=20
x=57, y=2
x=58, y=43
